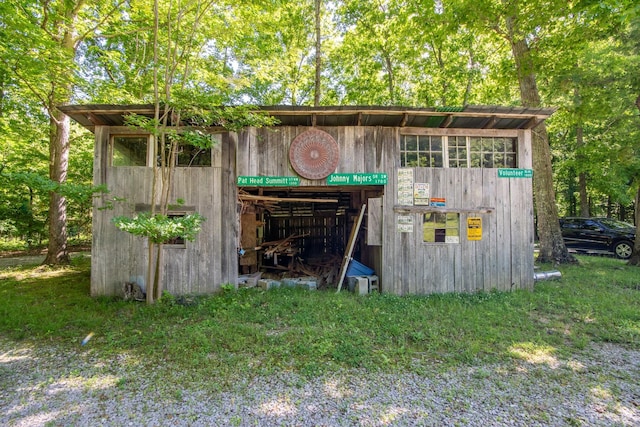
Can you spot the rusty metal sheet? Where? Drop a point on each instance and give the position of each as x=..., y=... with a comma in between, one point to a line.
x=314, y=154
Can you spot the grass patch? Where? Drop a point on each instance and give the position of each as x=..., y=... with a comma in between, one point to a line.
x=237, y=334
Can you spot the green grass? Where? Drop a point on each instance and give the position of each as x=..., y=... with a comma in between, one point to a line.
x=237, y=334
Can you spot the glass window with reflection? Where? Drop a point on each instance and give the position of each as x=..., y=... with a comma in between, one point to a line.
x=191, y=156
x=129, y=150
x=458, y=151
x=441, y=227
x=421, y=151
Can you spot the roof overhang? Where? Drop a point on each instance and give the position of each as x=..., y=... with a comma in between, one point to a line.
x=468, y=117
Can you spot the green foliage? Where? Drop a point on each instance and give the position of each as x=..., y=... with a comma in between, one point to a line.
x=161, y=228
x=246, y=332
x=393, y=52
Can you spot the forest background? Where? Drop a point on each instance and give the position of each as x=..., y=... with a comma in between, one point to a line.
x=582, y=57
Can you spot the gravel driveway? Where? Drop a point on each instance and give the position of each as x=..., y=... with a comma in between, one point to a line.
x=48, y=386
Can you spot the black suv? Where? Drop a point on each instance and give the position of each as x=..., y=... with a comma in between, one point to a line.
x=598, y=235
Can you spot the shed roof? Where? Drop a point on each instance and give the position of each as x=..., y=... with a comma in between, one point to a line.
x=468, y=117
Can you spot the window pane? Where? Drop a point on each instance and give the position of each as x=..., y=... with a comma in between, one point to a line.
x=510, y=161
x=437, y=227
x=411, y=159
x=436, y=161
x=436, y=144
x=424, y=143
x=487, y=161
x=475, y=144
x=475, y=160
x=189, y=155
x=129, y=151
x=411, y=143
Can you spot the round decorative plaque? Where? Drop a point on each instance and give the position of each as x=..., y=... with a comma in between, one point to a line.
x=314, y=154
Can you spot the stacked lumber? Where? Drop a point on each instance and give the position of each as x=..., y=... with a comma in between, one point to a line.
x=281, y=247
x=246, y=199
x=325, y=269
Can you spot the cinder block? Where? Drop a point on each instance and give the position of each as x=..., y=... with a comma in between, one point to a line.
x=267, y=284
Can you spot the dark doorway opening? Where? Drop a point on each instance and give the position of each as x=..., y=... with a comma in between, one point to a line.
x=302, y=231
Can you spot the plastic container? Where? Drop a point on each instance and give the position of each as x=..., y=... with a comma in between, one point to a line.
x=357, y=269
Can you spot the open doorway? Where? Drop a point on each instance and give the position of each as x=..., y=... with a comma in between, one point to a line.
x=292, y=232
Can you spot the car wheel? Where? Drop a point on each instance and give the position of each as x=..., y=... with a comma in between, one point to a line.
x=623, y=249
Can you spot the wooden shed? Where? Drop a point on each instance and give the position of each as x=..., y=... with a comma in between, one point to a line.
x=432, y=200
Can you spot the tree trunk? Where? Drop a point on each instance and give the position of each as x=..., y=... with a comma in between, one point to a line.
x=582, y=177
x=57, y=252
x=552, y=247
x=316, y=98
x=635, y=255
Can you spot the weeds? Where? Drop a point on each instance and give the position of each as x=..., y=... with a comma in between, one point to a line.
x=246, y=332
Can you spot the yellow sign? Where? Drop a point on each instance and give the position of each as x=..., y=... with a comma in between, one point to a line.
x=474, y=228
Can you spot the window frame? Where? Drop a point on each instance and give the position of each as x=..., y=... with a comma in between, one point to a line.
x=111, y=148
x=467, y=161
x=444, y=229
x=179, y=242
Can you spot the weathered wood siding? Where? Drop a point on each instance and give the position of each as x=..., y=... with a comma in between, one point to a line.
x=201, y=266
x=502, y=260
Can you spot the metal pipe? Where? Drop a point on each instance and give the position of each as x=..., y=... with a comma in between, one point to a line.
x=546, y=275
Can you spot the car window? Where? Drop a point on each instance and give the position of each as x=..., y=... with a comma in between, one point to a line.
x=616, y=225
x=592, y=225
x=569, y=223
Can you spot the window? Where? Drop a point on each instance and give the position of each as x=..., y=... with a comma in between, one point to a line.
x=440, y=227
x=191, y=156
x=421, y=151
x=178, y=242
x=457, y=152
x=129, y=150
x=493, y=152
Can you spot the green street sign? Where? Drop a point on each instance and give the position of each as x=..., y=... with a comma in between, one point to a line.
x=515, y=173
x=376, y=178
x=268, y=181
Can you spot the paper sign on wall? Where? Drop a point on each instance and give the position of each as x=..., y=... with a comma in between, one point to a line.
x=405, y=224
x=474, y=228
x=438, y=202
x=405, y=187
x=421, y=193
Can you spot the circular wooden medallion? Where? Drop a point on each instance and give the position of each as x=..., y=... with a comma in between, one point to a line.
x=314, y=154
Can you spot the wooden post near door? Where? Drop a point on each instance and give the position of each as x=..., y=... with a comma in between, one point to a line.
x=350, y=245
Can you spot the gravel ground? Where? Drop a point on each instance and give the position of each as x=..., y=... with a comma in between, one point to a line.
x=46, y=385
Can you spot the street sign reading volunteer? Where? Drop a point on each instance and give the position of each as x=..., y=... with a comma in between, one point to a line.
x=269, y=181
x=357, y=179
x=515, y=173
x=474, y=228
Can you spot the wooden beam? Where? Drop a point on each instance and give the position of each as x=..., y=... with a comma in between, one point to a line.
x=350, y=245
x=533, y=122
x=425, y=209
x=490, y=123
x=285, y=199
x=447, y=121
x=506, y=133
